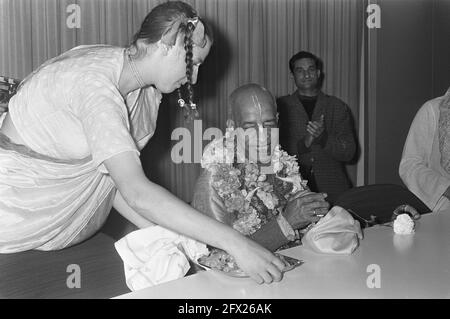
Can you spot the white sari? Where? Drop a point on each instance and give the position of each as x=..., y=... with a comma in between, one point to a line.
x=55, y=192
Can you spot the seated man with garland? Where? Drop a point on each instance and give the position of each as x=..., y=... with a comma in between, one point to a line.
x=249, y=182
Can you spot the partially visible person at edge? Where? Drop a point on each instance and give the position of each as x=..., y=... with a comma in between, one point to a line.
x=316, y=127
x=69, y=145
x=425, y=162
x=252, y=107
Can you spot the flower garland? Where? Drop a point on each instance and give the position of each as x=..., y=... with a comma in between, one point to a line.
x=253, y=198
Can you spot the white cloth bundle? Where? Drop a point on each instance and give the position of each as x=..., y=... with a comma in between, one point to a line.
x=155, y=255
x=336, y=233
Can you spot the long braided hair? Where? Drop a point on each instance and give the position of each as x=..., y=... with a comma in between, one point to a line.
x=190, y=108
x=160, y=21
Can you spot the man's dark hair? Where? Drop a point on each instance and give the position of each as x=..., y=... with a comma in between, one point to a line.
x=308, y=55
x=305, y=55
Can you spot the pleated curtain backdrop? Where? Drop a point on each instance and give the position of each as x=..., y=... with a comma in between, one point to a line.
x=254, y=40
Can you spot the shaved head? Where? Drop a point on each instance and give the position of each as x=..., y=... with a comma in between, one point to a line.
x=253, y=115
x=251, y=103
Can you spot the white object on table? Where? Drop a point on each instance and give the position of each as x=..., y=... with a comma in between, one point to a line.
x=386, y=265
x=403, y=225
x=154, y=255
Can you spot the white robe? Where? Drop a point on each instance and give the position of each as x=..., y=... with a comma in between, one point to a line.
x=420, y=166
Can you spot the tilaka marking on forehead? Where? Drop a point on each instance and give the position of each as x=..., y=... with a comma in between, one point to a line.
x=257, y=105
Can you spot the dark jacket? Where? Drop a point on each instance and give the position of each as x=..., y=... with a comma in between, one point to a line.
x=327, y=155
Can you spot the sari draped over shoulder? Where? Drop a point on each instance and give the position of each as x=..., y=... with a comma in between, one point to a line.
x=49, y=203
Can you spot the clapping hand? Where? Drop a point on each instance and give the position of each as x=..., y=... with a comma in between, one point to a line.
x=315, y=129
x=302, y=210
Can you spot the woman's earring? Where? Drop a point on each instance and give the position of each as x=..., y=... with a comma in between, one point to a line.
x=193, y=113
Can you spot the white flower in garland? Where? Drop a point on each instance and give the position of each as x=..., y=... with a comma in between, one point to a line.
x=270, y=201
x=217, y=152
x=282, y=161
x=248, y=223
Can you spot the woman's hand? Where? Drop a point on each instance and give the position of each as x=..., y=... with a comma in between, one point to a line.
x=158, y=205
x=257, y=262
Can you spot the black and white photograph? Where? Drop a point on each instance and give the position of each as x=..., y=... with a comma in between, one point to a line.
x=248, y=151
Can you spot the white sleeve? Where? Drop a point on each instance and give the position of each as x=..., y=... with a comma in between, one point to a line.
x=426, y=183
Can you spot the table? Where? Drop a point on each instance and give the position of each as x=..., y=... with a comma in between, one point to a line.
x=410, y=266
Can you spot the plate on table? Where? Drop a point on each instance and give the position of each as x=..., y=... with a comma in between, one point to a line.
x=222, y=262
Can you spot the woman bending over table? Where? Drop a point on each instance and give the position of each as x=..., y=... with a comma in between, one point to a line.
x=70, y=142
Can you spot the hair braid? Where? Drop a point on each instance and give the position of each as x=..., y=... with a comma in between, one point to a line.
x=161, y=20
x=188, y=46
